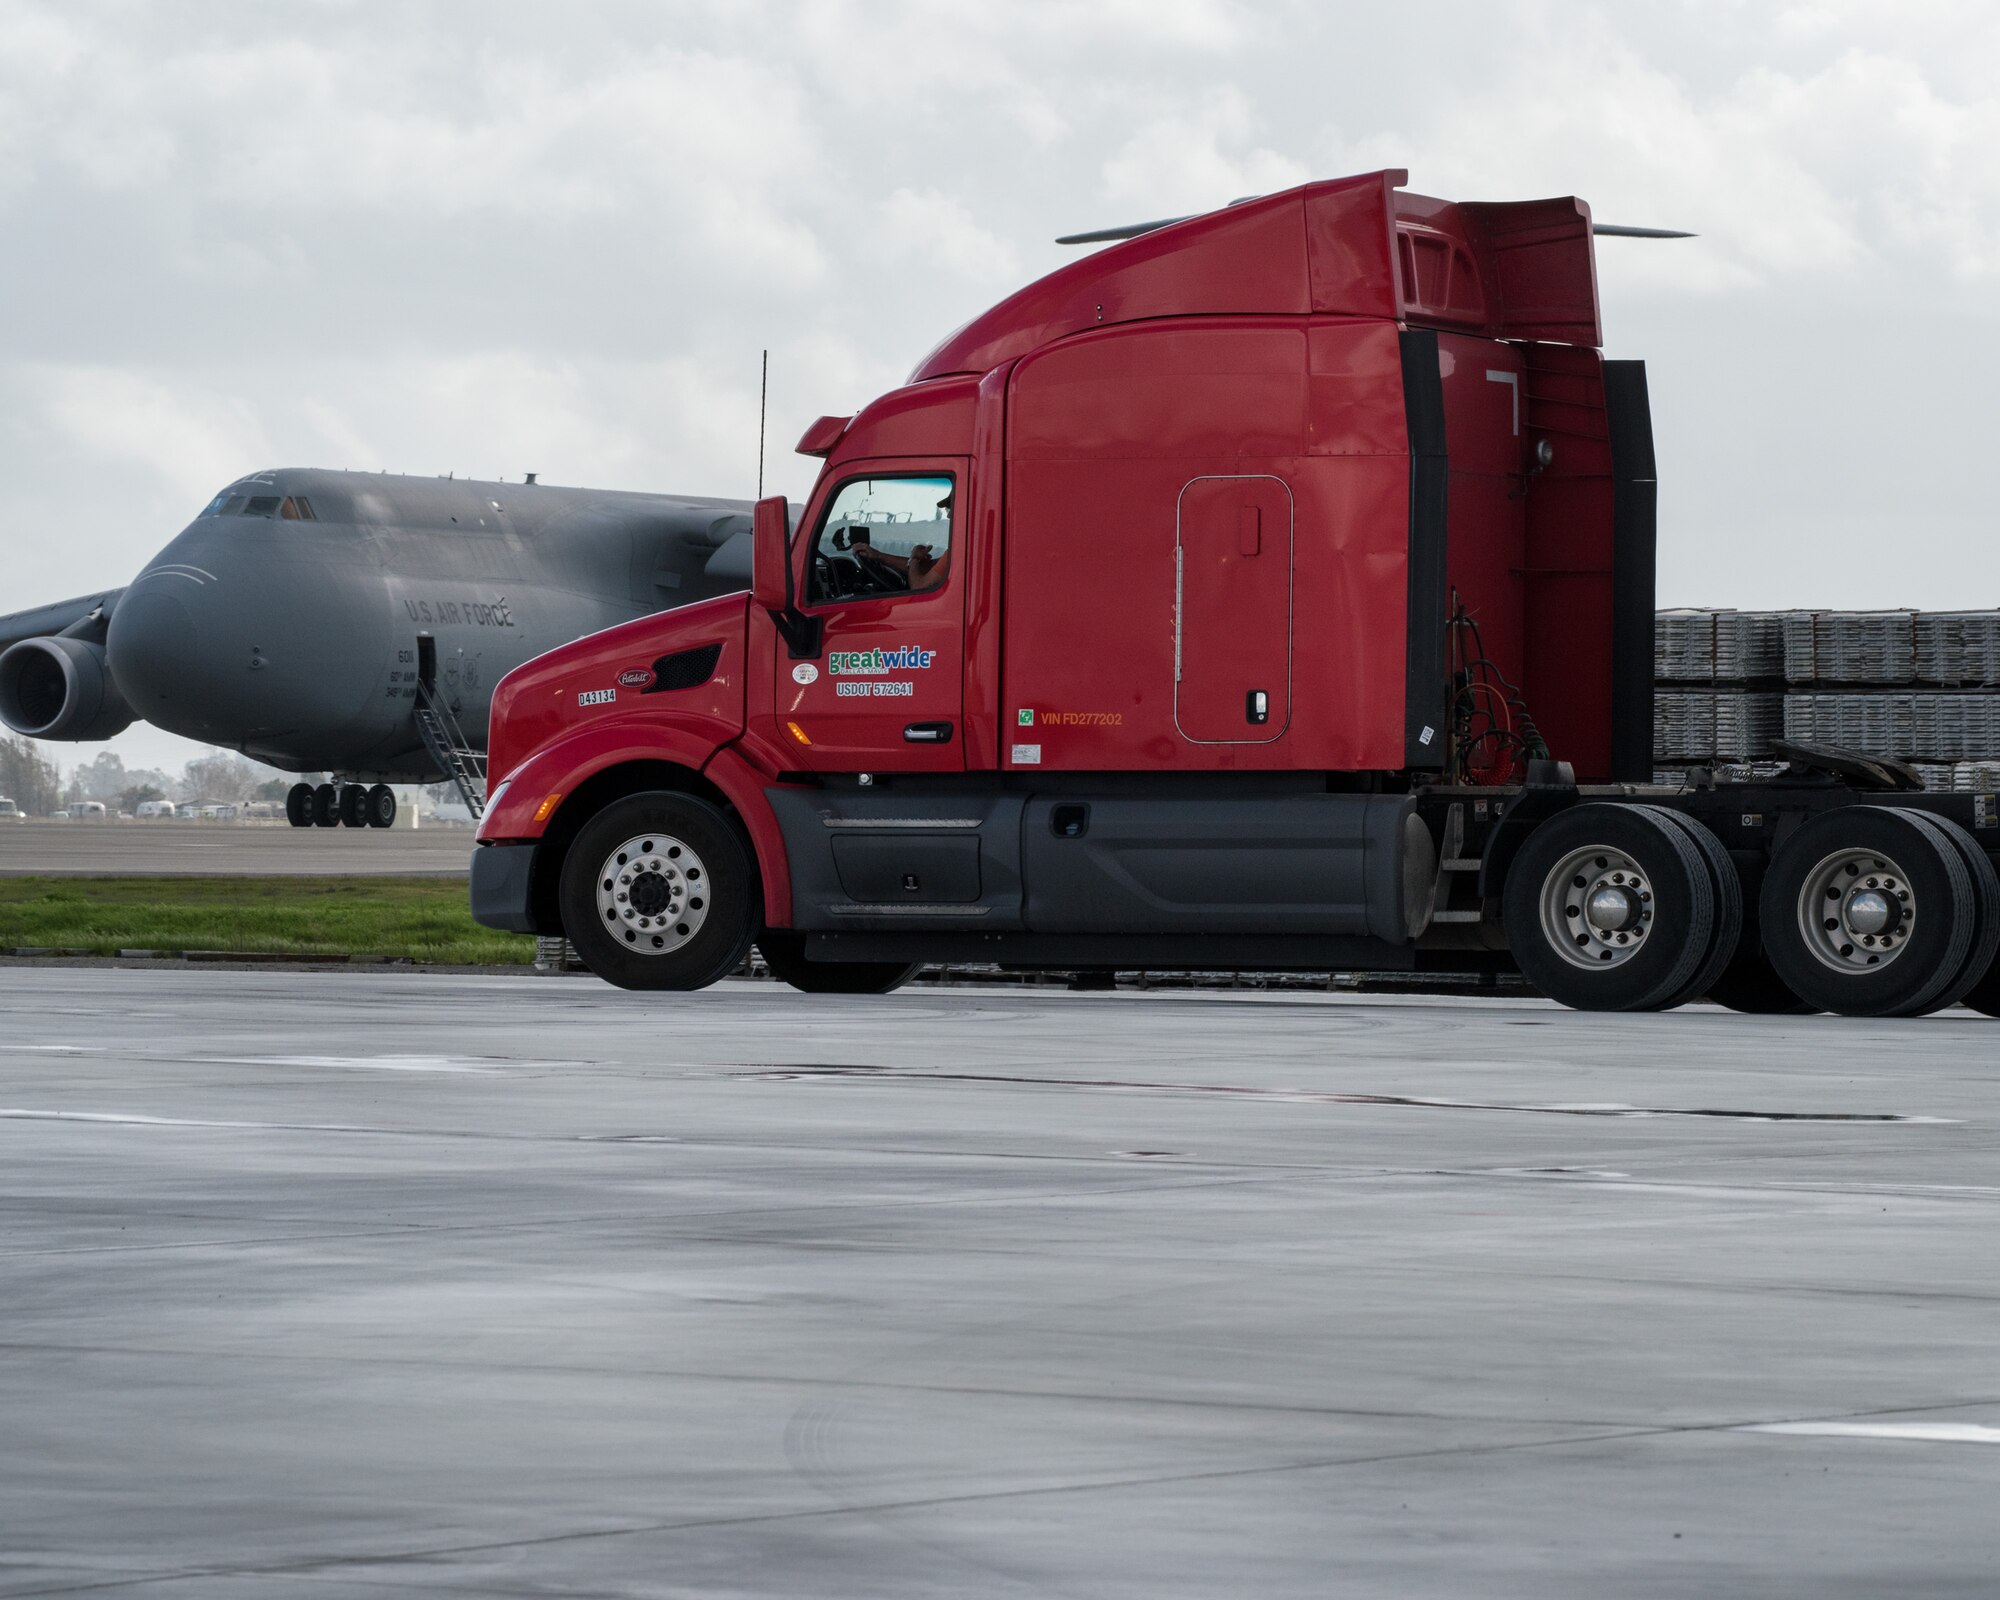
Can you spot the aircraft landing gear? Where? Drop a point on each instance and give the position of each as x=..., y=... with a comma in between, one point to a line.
x=349, y=805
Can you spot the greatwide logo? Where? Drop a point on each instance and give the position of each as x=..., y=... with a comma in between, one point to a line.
x=874, y=663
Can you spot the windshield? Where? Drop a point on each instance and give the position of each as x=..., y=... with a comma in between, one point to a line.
x=289, y=507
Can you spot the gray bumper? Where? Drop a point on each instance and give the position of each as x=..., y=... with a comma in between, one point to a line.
x=501, y=874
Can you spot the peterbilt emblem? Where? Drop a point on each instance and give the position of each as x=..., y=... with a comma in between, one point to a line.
x=635, y=677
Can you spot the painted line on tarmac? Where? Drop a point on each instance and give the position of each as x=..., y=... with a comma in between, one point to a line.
x=1917, y=1432
x=1583, y=1108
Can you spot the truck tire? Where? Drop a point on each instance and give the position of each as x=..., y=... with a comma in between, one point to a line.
x=353, y=806
x=326, y=806
x=299, y=805
x=381, y=806
x=785, y=954
x=659, y=891
x=1750, y=985
x=1869, y=911
x=1984, y=995
x=1610, y=908
x=1985, y=913
x=1727, y=934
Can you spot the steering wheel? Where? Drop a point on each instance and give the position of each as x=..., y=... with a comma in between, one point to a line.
x=875, y=576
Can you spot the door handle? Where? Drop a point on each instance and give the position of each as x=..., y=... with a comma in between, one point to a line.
x=927, y=733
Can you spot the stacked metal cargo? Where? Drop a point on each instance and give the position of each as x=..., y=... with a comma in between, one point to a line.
x=1922, y=687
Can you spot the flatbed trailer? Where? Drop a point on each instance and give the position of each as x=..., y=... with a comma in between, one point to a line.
x=1270, y=591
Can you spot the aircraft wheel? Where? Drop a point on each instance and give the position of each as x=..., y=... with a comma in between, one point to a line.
x=659, y=891
x=381, y=806
x=1610, y=908
x=326, y=806
x=1727, y=934
x=785, y=954
x=299, y=805
x=1869, y=911
x=353, y=806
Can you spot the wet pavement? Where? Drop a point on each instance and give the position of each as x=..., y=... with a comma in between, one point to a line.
x=387, y=1282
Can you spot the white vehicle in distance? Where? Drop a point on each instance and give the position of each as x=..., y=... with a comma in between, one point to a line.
x=10, y=811
x=87, y=811
x=155, y=808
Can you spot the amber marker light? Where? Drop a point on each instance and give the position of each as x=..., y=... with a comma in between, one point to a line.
x=798, y=733
x=547, y=808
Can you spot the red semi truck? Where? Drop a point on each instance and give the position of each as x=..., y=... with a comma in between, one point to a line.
x=1273, y=590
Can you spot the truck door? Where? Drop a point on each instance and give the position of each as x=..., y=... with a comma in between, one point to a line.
x=1233, y=610
x=883, y=573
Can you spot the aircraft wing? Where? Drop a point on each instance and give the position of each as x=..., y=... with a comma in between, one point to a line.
x=54, y=618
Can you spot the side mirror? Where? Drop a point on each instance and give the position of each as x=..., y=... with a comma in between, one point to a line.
x=771, y=555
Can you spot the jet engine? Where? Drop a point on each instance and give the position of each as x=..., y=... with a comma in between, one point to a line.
x=60, y=688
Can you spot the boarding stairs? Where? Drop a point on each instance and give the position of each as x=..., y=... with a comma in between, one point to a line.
x=464, y=765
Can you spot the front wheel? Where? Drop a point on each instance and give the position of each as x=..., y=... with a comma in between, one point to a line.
x=785, y=954
x=658, y=891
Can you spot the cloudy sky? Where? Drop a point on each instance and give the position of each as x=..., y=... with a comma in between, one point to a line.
x=500, y=236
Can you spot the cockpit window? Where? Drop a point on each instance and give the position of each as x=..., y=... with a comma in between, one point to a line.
x=291, y=507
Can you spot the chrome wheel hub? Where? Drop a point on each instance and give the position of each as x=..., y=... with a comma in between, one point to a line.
x=1597, y=907
x=1856, y=911
x=652, y=894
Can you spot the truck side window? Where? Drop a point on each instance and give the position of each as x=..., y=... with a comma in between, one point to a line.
x=883, y=536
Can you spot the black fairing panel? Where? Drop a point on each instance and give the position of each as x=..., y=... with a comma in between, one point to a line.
x=879, y=860
x=882, y=860
x=1302, y=864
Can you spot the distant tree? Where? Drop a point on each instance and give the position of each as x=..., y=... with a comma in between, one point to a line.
x=138, y=794
x=218, y=777
x=28, y=779
x=272, y=789
x=101, y=778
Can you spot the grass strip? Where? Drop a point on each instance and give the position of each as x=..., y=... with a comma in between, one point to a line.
x=424, y=919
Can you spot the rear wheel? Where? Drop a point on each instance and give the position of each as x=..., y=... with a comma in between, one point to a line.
x=1727, y=934
x=658, y=891
x=1869, y=911
x=1979, y=959
x=381, y=806
x=353, y=806
x=785, y=954
x=1749, y=984
x=1984, y=995
x=1610, y=908
x=326, y=806
x=299, y=805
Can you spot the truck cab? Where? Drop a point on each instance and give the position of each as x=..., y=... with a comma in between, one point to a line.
x=1243, y=595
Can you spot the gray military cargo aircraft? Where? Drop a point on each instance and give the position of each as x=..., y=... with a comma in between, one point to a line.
x=355, y=623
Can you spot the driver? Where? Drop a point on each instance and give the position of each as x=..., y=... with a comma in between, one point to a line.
x=922, y=568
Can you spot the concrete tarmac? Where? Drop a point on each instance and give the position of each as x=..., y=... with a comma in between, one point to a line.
x=228, y=849
x=393, y=1283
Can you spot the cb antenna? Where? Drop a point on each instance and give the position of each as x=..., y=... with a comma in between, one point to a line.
x=763, y=391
